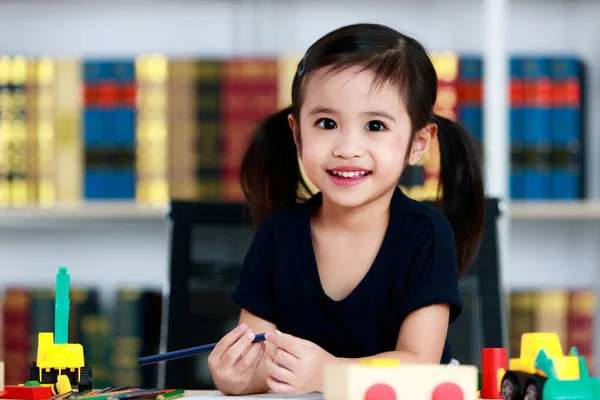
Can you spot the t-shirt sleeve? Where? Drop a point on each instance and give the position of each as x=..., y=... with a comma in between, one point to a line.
x=254, y=289
x=433, y=271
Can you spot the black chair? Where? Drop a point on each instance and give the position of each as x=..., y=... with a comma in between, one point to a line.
x=483, y=321
x=208, y=244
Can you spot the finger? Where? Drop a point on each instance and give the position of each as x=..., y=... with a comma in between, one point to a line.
x=279, y=387
x=228, y=340
x=244, y=364
x=285, y=359
x=232, y=355
x=244, y=352
x=289, y=343
x=259, y=356
x=278, y=372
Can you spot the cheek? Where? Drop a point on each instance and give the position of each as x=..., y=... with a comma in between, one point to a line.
x=391, y=154
x=314, y=150
x=313, y=156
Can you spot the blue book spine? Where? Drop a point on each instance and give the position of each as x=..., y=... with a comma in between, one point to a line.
x=516, y=185
x=123, y=118
x=470, y=100
x=537, y=113
x=109, y=126
x=94, y=72
x=567, y=129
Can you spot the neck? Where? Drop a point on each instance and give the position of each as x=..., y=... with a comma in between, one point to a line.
x=369, y=215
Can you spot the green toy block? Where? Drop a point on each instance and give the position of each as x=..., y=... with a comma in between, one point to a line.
x=62, y=307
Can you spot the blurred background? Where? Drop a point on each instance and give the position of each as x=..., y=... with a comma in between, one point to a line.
x=111, y=109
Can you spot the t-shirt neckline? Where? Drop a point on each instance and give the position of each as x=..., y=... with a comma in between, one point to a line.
x=381, y=264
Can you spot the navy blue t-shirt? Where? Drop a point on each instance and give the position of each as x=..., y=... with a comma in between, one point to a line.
x=416, y=266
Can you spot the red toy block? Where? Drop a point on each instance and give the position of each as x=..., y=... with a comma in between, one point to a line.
x=492, y=359
x=380, y=391
x=27, y=392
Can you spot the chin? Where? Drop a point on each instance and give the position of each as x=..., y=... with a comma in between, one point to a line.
x=357, y=196
x=347, y=200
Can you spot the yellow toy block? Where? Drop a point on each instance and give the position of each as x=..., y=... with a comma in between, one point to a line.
x=408, y=381
x=381, y=362
x=62, y=385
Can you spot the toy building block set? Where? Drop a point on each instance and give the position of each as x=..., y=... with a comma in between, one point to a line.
x=60, y=371
x=541, y=372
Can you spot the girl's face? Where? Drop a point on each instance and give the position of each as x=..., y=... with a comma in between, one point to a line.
x=354, y=137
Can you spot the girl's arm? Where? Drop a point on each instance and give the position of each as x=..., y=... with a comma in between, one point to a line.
x=258, y=325
x=421, y=338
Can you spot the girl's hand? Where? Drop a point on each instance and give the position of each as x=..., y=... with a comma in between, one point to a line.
x=234, y=360
x=297, y=364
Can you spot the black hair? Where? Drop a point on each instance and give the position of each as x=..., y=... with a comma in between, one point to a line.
x=270, y=171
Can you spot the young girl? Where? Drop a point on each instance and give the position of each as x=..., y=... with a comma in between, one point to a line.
x=358, y=270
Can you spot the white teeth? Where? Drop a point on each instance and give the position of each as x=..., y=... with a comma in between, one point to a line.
x=349, y=174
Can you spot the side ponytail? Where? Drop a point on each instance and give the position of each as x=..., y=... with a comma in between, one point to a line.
x=270, y=172
x=461, y=181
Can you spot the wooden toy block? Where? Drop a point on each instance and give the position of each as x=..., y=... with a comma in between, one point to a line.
x=494, y=361
x=1, y=376
x=395, y=382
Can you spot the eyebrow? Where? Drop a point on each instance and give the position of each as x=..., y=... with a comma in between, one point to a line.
x=373, y=113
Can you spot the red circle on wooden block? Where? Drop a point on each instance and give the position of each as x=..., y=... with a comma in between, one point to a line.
x=380, y=391
x=447, y=391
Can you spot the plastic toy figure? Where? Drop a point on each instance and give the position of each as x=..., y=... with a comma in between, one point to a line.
x=55, y=356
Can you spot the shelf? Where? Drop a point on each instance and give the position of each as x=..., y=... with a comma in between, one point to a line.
x=131, y=212
x=86, y=212
x=542, y=210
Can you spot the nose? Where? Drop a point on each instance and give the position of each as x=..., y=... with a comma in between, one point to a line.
x=348, y=144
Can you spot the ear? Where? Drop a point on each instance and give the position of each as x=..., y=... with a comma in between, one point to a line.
x=421, y=143
x=293, y=126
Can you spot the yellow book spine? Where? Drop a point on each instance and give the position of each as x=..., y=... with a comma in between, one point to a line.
x=5, y=97
x=152, y=145
x=67, y=91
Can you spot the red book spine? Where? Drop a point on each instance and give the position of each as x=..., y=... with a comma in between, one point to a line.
x=249, y=93
x=17, y=345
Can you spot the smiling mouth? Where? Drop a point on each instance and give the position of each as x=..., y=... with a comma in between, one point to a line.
x=348, y=174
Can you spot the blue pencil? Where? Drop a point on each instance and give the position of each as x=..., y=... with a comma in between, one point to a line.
x=192, y=351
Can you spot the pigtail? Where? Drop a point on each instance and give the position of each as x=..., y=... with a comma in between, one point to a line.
x=461, y=181
x=270, y=172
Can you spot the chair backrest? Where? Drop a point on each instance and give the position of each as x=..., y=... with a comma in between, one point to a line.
x=483, y=321
x=208, y=244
